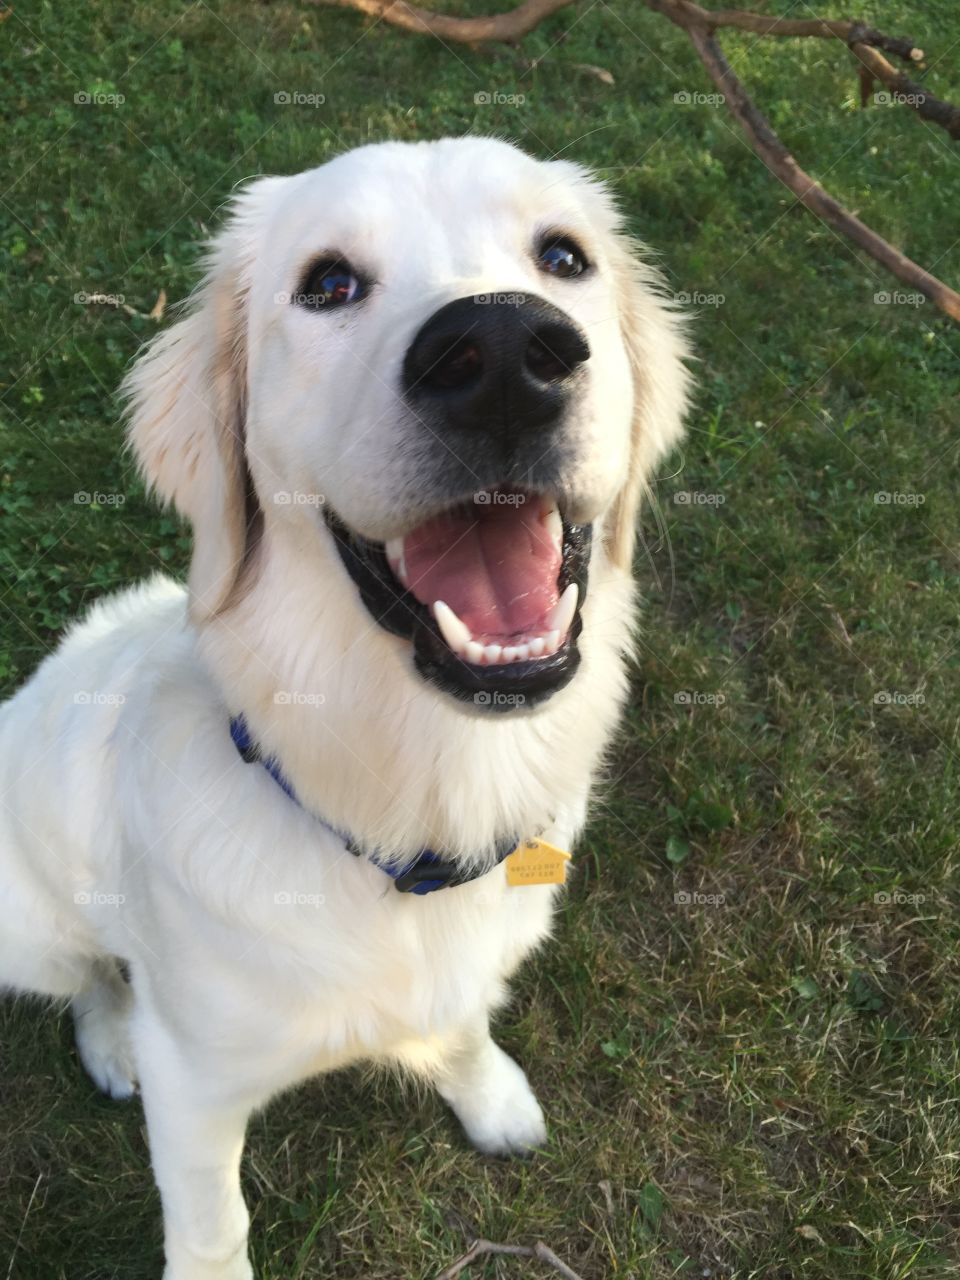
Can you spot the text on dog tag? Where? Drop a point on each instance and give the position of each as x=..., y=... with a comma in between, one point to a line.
x=536, y=862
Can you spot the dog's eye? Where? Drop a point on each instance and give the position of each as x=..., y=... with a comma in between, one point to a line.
x=331, y=283
x=559, y=256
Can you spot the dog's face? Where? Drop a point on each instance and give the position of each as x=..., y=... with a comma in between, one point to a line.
x=441, y=359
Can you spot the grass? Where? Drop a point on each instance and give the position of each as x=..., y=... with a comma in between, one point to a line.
x=759, y=1081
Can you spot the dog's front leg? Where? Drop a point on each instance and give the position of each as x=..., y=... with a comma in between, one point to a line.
x=489, y=1093
x=196, y=1129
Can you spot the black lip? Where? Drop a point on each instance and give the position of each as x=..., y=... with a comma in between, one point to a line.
x=510, y=687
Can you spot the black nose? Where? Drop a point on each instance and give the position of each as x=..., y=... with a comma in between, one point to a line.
x=495, y=363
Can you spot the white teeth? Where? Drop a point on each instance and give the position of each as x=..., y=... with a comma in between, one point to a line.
x=458, y=636
x=398, y=563
x=553, y=526
x=473, y=652
x=455, y=632
x=562, y=613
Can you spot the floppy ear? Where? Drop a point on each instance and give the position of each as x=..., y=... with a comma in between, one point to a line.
x=187, y=404
x=656, y=347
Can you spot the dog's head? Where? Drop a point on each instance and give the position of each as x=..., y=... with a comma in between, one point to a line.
x=443, y=360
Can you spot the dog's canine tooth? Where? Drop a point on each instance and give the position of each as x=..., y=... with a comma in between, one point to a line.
x=397, y=560
x=456, y=633
x=553, y=526
x=561, y=615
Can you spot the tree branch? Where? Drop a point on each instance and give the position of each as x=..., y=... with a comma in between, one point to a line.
x=825, y=28
x=486, y=1248
x=504, y=27
x=907, y=92
x=808, y=191
x=700, y=24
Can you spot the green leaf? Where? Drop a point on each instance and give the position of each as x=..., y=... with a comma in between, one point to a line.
x=862, y=994
x=805, y=988
x=652, y=1204
x=715, y=816
x=614, y=1049
x=678, y=849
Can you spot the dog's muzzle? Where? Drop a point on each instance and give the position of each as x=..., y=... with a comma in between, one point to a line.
x=489, y=588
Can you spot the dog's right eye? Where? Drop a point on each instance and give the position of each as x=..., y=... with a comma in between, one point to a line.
x=330, y=283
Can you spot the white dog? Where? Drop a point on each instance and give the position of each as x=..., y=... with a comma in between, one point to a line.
x=257, y=829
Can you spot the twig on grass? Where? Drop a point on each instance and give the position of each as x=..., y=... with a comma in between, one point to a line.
x=486, y=1248
x=700, y=25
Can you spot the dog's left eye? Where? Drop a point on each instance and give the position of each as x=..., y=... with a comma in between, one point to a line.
x=559, y=256
x=331, y=283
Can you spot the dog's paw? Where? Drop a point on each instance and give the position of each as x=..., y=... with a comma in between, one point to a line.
x=183, y=1268
x=502, y=1117
x=191, y=1269
x=103, y=1044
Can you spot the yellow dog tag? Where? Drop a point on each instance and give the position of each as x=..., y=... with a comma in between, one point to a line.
x=536, y=862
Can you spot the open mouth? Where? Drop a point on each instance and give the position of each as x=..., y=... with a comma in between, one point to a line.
x=489, y=590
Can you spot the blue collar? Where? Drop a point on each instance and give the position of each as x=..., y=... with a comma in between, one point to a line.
x=427, y=872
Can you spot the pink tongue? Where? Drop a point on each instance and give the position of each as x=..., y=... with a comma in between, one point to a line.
x=494, y=564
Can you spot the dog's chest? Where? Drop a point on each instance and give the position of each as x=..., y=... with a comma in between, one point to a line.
x=413, y=970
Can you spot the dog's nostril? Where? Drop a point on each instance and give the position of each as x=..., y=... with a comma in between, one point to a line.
x=544, y=363
x=458, y=365
x=498, y=368
x=554, y=352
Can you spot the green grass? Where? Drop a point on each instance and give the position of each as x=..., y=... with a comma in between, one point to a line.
x=762, y=1085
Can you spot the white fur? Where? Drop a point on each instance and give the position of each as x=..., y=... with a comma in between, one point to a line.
x=260, y=951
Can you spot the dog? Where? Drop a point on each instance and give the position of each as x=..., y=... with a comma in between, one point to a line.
x=314, y=807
